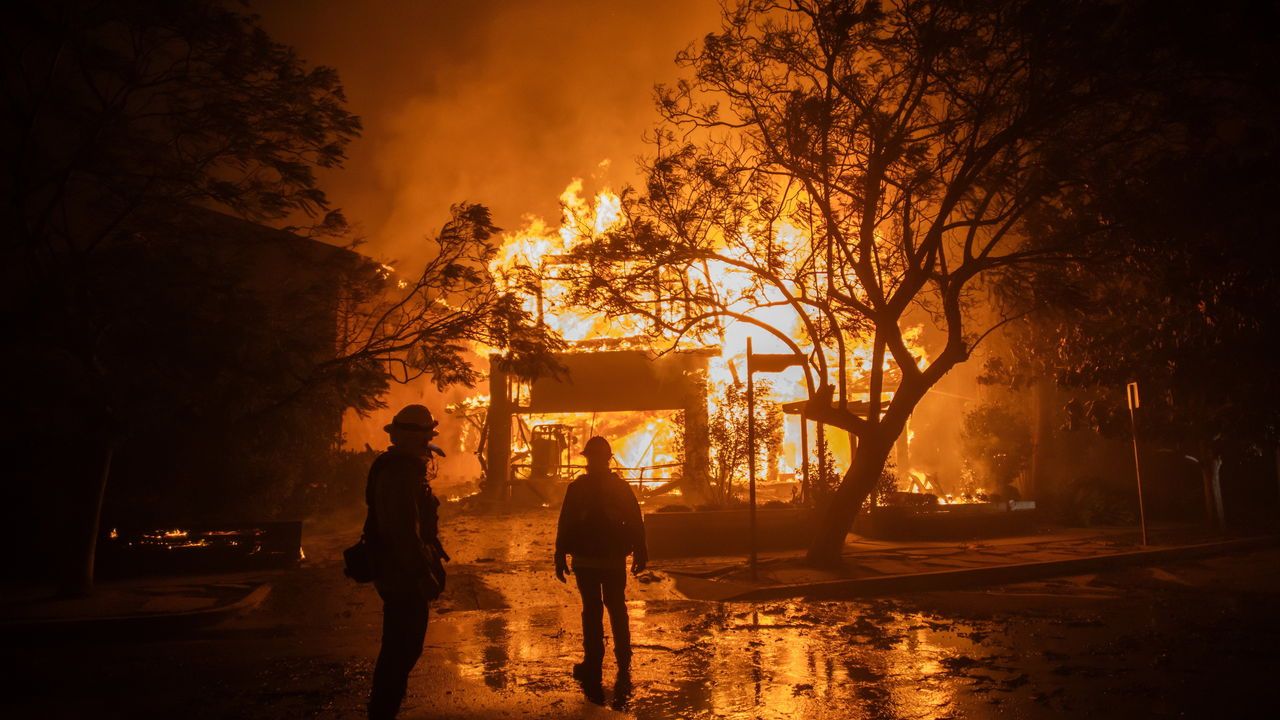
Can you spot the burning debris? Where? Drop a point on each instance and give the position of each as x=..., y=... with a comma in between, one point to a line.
x=203, y=548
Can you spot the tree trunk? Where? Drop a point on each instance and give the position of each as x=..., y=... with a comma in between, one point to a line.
x=845, y=504
x=87, y=523
x=902, y=451
x=1041, y=431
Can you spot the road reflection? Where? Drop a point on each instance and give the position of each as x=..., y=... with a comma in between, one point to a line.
x=496, y=654
x=822, y=660
x=853, y=659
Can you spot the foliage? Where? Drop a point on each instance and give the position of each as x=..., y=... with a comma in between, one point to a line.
x=887, y=483
x=392, y=328
x=996, y=438
x=1182, y=297
x=727, y=430
x=135, y=305
x=1089, y=501
x=118, y=117
x=189, y=102
x=826, y=475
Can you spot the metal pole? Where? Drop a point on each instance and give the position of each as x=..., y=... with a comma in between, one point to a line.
x=751, y=456
x=1132, y=395
x=804, y=459
x=822, y=453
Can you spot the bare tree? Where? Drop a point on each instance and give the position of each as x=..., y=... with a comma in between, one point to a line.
x=400, y=329
x=857, y=163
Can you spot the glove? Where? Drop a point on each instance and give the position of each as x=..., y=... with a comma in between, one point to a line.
x=562, y=567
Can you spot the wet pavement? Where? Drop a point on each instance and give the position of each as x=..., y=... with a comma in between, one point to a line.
x=1194, y=639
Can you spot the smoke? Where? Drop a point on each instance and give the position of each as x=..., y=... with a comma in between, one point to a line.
x=454, y=472
x=489, y=101
x=501, y=103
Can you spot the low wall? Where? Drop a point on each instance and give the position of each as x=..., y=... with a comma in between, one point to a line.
x=726, y=532
x=945, y=522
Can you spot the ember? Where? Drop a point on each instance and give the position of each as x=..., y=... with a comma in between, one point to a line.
x=201, y=548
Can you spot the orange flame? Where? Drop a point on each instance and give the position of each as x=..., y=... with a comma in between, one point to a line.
x=528, y=263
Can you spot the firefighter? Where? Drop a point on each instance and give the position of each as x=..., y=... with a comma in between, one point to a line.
x=600, y=525
x=408, y=570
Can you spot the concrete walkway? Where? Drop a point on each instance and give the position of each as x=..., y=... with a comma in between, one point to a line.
x=141, y=605
x=871, y=567
x=874, y=567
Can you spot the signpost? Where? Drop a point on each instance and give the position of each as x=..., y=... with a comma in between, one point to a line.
x=1131, y=391
x=751, y=458
x=759, y=363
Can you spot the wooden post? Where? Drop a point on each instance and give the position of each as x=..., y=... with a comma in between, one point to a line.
x=1042, y=404
x=498, y=442
x=694, y=481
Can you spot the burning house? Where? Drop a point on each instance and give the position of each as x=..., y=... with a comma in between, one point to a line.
x=676, y=408
x=664, y=405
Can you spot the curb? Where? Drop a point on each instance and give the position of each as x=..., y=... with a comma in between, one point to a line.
x=135, y=624
x=994, y=575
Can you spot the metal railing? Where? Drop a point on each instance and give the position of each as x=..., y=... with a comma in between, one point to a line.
x=644, y=479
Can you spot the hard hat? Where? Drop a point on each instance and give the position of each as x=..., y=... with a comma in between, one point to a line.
x=597, y=447
x=413, y=417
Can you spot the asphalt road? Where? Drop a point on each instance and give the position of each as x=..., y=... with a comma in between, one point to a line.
x=1183, y=640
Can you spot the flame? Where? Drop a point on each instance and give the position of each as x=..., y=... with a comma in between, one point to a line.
x=530, y=263
x=475, y=402
x=528, y=258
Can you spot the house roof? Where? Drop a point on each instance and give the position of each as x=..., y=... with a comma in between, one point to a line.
x=193, y=222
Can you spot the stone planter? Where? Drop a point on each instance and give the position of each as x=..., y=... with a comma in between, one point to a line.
x=945, y=522
x=726, y=532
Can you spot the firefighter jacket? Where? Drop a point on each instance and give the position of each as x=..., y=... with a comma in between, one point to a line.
x=600, y=522
x=404, y=525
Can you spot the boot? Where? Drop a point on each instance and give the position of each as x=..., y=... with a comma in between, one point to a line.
x=586, y=672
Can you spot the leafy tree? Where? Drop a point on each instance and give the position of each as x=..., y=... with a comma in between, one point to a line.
x=398, y=329
x=997, y=440
x=123, y=124
x=1182, y=296
x=112, y=108
x=727, y=430
x=862, y=164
